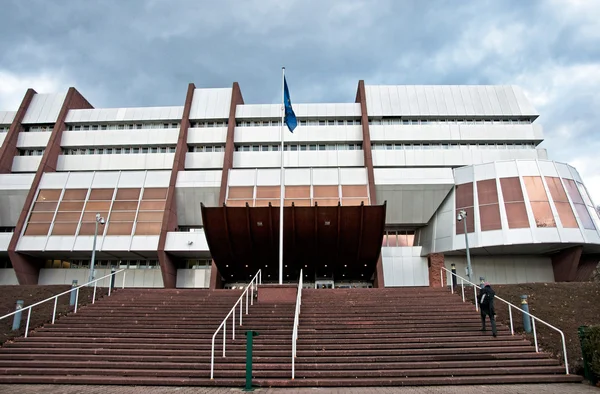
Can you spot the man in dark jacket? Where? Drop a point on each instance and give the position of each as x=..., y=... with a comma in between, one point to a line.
x=486, y=306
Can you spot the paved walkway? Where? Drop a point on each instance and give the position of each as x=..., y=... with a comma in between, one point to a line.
x=508, y=389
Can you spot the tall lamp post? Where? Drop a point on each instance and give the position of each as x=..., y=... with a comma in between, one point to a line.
x=462, y=217
x=99, y=220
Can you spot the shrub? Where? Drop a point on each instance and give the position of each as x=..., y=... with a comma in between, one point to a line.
x=591, y=349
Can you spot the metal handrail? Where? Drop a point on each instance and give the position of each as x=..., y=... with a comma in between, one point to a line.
x=510, y=306
x=256, y=280
x=76, y=289
x=296, y=323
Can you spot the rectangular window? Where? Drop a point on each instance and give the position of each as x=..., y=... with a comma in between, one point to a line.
x=464, y=201
x=561, y=202
x=135, y=150
x=163, y=149
x=340, y=122
x=145, y=150
x=126, y=150
x=514, y=203
x=580, y=207
x=539, y=201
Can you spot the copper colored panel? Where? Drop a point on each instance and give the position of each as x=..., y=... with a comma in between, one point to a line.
x=297, y=202
x=557, y=191
x=542, y=214
x=128, y=194
x=268, y=192
x=88, y=228
x=354, y=191
x=122, y=216
x=584, y=216
x=156, y=205
x=392, y=239
x=37, y=229
x=410, y=240
x=565, y=213
x=71, y=206
x=119, y=228
x=97, y=206
x=384, y=240
x=67, y=216
x=241, y=192
x=75, y=195
x=265, y=203
x=326, y=202
x=64, y=228
x=155, y=194
x=470, y=220
x=573, y=191
x=325, y=191
x=150, y=216
x=41, y=217
x=45, y=206
x=490, y=217
x=148, y=228
x=535, y=188
x=297, y=192
x=238, y=203
x=49, y=195
x=125, y=206
x=516, y=214
x=487, y=192
x=91, y=216
x=511, y=189
x=464, y=195
x=102, y=194
x=354, y=201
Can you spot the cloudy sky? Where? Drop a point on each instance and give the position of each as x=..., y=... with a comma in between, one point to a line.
x=139, y=53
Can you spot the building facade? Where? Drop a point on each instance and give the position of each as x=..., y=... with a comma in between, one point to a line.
x=428, y=152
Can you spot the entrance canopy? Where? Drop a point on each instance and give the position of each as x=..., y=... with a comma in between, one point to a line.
x=340, y=242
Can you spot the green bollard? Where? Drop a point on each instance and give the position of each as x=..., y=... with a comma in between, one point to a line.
x=73, y=295
x=249, y=336
x=17, y=316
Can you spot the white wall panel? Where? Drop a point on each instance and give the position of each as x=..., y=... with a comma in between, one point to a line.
x=44, y=108
x=133, y=278
x=484, y=171
x=119, y=137
x=271, y=134
x=506, y=169
x=186, y=242
x=105, y=179
x=296, y=176
x=53, y=180
x=506, y=269
x=211, y=104
x=413, y=176
x=157, y=179
x=206, y=160
x=132, y=179
x=33, y=139
x=140, y=161
x=273, y=111
x=199, y=178
x=7, y=117
x=2, y=138
x=404, y=266
x=16, y=181
x=207, y=135
x=242, y=177
x=528, y=168
x=4, y=241
x=79, y=180
x=332, y=158
x=354, y=176
x=144, y=242
x=112, y=242
x=269, y=177
x=29, y=243
x=193, y=278
x=325, y=176
x=447, y=158
x=61, y=243
x=26, y=163
x=8, y=277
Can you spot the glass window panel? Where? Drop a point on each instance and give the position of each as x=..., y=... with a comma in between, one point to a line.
x=271, y=192
x=119, y=228
x=464, y=195
x=516, y=215
x=49, y=195
x=236, y=192
x=487, y=192
x=297, y=191
x=125, y=206
x=71, y=206
x=239, y=203
x=584, y=194
x=45, y=206
x=101, y=194
x=88, y=228
x=392, y=239
x=354, y=201
x=354, y=191
x=325, y=191
x=148, y=228
x=584, y=216
x=41, y=217
x=155, y=194
x=490, y=217
x=410, y=240
x=542, y=214
x=265, y=203
x=155, y=205
x=91, y=216
x=535, y=188
x=565, y=213
x=297, y=202
x=128, y=194
x=511, y=189
x=122, y=216
x=556, y=189
x=37, y=229
x=150, y=216
x=75, y=194
x=470, y=220
x=327, y=202
x=64, y=228
x=68, y=216
x=573, y=192
x=384, y=240
x=97, y=206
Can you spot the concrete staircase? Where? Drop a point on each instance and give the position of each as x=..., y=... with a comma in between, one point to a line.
x=347, y=337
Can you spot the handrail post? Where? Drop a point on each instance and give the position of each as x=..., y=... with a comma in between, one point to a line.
x=94, y=295
x=537, y=350
x=76, y=299
x=54, y=312
x=246, y=301
x=241, y=304
x=441, y=277
x=124, y=274
x=224, y=335
x=512, y=331
x=476, y=301
x=251, y=294
x=565, y=352
x=233, y=325
x=462, y=285
x=27, y=325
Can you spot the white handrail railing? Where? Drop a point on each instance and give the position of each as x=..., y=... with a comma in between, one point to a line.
x=256, y=280
x=296, y=323
x=76, y=289
x=510, y=306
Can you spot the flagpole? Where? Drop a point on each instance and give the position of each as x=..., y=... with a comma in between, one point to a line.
x=282, y=187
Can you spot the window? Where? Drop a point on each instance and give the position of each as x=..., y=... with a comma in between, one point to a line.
x=144, y=150
x=539, y=201
x=126, y=150
x=135, y=150
x=331, y=123
x=163, y=149
x=294, y=147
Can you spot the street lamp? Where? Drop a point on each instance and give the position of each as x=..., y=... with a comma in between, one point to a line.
x=99, y=220
x=462, y=217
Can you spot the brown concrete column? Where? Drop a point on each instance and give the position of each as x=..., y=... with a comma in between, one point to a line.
x=167, y=262
x=361, y=97
x=26, y=267
x=435, y=262
x=236, y=99
x=565, y=264
x=9, y=147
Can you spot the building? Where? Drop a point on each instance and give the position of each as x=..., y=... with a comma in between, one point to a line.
x=426, y=151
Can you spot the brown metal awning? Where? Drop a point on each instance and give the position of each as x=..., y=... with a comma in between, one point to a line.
x=340, y=242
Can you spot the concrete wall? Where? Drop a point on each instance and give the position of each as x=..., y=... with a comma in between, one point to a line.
x=404, y=266
x=8, y=277
x=505, y=269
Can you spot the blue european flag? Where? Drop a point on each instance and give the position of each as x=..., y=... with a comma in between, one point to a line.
x=290, y=116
